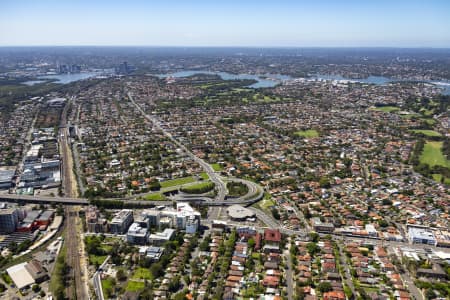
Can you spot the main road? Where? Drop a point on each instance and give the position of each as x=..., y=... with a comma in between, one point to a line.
x=213, y=176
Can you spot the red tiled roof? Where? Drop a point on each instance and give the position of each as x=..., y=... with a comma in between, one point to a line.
x=272, y=235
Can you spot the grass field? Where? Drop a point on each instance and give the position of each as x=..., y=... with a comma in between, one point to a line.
x=134, y=286
x=433, y=156
x=265, y=203
x=429, y=121
x=107, y=286
x=438, y=178
x=155, y=197
x=197, y=188
x=203, y=175
x=177, y=181
x=142, y=273
x=427, y=132
x=409, y=116
x=386, y=108
x=217, y=167
x=311, y=133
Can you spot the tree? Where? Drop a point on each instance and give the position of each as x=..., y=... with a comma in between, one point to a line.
x=324, y=182
x=429, y=294
x=312, y=248
x=121, y=275
x=174, y=284
x=324, y=286
x=251, y=243
x=157, y=270
x=275, y=213
x=314, y=237
x=36, y=288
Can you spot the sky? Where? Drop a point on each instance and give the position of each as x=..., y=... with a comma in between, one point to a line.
x=248, y=23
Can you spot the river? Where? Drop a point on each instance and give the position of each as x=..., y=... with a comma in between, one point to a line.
x=381, y=80
x=263, y=81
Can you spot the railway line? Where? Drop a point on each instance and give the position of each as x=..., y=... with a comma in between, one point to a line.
x=76, y=289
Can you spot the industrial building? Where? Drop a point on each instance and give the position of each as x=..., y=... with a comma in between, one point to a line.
x=26, y=274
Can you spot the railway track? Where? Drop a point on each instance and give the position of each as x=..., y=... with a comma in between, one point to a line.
x=76, y=289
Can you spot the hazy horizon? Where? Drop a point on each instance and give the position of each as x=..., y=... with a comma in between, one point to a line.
x=200, y=23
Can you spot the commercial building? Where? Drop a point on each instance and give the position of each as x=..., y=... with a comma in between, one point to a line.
x=94, y=222
x=191, y=225
x=153, y=217
x=121, y=221
x=160, y=238
x=9, y=219
x=152, y=252
x=320, y=226
x=371, y=231
x=137, y=235
x=246, y=231
x=239, y=213
x=435, y=272
x=183, y=218
x=421, y=235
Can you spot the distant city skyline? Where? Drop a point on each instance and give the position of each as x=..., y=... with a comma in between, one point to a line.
x=283, y=23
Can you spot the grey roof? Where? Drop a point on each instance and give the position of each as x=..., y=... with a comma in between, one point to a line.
x=240, y=212
x=6, y=175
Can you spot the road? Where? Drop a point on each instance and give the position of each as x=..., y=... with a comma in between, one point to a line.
x=347, y=275
x=97, y=280
x=213, y=176
x=268, y=220
x=289, y=272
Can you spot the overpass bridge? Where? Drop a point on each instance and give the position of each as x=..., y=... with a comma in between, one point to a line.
x=43, y=199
